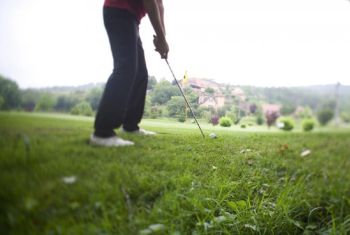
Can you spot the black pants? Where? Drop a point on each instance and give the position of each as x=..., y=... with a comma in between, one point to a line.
x=123, y=99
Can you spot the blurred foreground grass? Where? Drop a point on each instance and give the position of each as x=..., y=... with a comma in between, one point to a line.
x=53, y=182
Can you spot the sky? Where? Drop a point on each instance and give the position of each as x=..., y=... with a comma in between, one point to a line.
x=241, y=42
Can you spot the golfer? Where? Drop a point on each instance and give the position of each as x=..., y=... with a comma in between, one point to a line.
x=123, y=99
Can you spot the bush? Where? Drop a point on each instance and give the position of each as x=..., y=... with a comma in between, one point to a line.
x=214, y=120
x=260, y=120
x=233, y=115
x=325, y=115
x=345, y=117
x=82, y=108
x=46, y=102
x=2, y=101
x=308, y=124
x=181, y=118
x=176, y=106
x=65, y=103
x=248, y=120
x=304, y=113
x=243, y=126
x=155, y=112
x=225, y=122
x=287, y=124
x=253, y=108
x=271, y=117
x=288, y=109
x=10, y=93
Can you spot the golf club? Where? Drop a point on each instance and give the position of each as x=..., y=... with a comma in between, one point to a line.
x=183, y=95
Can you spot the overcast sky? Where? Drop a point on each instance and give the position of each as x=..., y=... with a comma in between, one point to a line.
x=246, y=42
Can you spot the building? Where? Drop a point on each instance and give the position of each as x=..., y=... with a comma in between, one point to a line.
x=212, y=94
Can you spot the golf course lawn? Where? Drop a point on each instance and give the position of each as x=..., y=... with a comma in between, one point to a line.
x=243, y=182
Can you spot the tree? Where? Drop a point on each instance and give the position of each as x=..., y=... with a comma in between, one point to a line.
x=271, y=117
x=83, y=108
x=2, y=101
x=325, y=115
x=46, y=102
x=10, y=94
x=176, y=106
x=288, y=108
x=326, y=112
x=206, y=113
x=94, y=96
x=147, y=109
x=152, y=82
x=30, y=98
x=192, y=98
x=304, y=113
x=221, y=112
x=210, y=91
x=155, y=112
x=259, y=119
x=163, y=92
x=252, y=108
x=214, y=120
x=66, y=102
x=345, y=117
x=232, y=114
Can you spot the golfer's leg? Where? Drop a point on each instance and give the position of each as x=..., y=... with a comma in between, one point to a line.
x=122, y=32
x=137, y=100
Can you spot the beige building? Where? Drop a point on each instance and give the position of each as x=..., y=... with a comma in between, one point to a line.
x=271, y=108
x=215, y=99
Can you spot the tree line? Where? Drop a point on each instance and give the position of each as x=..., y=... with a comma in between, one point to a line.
x=164, y=100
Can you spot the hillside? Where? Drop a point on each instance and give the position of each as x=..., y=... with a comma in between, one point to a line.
x=305, y=96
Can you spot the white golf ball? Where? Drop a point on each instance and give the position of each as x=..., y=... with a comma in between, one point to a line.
x=213, y=135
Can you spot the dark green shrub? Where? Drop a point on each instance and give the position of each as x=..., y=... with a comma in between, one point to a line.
x=155, y=112
x=260, y=120
x=225, y=122
x=10, y=93
x=325, y=115
x=181, y=118
x=253, y=108
x=2, y=101
x=286, y=123
x=308, y=124
x=243, y=126
x=288, y=109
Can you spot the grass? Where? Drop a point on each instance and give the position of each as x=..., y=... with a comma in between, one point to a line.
x=173, y=183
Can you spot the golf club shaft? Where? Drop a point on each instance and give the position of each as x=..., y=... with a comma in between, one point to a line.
x=183, y=95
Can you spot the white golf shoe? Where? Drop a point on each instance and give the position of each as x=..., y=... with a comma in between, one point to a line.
x=109, y=142
x=140, y=132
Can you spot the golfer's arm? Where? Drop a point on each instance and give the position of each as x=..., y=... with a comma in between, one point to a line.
x=154, y=15
x=161, y=12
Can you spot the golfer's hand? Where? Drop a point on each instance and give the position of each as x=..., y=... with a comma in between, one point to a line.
x=161, y=46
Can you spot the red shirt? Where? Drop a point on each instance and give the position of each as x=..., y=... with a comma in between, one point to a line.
x=133, y=6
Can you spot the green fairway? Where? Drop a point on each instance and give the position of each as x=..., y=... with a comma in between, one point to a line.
x=243, y=182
